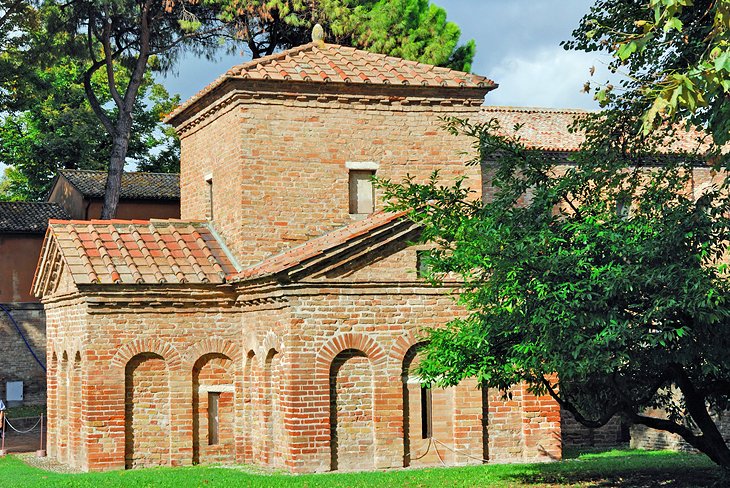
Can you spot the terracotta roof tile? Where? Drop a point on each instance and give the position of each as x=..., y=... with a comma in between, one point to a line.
x=316, y=247
x=135, y=185
x=141, y=252
x=332, y=63
x=28, y=217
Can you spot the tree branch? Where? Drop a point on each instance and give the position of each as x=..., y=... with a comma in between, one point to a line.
x=109, y=60
x=94, y=101
x=593, y=424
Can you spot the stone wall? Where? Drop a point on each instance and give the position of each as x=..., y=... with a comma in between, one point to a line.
x=16, y=360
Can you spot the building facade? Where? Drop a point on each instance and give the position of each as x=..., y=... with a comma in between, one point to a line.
x=280, y=321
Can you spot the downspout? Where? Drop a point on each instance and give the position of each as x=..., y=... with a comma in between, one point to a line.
x=20, y=332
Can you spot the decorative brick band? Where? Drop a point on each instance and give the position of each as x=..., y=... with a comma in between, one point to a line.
x=141, y=346
x=342, y=342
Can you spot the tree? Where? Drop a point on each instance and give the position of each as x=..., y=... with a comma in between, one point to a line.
x=122, y=41
x=605, y=270
x=52, y=127
x=676, y=54
x=411, y=29
x=47, y=123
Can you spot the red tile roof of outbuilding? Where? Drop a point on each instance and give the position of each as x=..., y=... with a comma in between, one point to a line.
x=140, y=251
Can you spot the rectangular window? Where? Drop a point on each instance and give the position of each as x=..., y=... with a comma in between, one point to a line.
x=423, y=267
x=426, y=413
x=362, y=192
x=213, y=400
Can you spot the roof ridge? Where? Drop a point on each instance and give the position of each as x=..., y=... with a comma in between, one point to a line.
x=123, y=172
x=515, y=108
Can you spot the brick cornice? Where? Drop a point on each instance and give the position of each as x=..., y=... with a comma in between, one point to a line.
x=385, y=98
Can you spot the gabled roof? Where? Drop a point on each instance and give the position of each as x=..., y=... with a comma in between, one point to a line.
x=135, y=252
x=379, y=227
x=28, y=217
x=332, y=63
x=135, y=185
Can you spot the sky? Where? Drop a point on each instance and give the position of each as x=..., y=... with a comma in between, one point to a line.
x=518, y=46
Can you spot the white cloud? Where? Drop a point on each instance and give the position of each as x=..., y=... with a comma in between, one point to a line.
x=547, y=77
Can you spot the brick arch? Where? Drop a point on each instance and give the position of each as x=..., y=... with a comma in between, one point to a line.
x=211, y=346
x=342, y=342
x=140, y=346
x=403, y=344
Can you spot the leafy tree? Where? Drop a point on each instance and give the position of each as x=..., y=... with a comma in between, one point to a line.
x=411, y=29
x=47, y=123
x=605, y=270
x=676, y=54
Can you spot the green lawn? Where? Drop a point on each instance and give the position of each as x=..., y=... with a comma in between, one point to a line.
x=613, y=468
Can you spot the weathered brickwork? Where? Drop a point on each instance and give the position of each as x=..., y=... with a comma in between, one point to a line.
x=18, y=361
x=308, y=368
x=279, y=166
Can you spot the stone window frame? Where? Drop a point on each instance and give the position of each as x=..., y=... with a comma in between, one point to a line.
x=358, y=206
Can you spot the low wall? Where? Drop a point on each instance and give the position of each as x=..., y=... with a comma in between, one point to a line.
x=16, y=361
x=576, y=435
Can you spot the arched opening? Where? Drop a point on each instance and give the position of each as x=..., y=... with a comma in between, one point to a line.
x=147, y=412
x=352, y=432
x=75, y=453
x=272, y=422
x=248, y=406
x=63, y=399
x=213, y=409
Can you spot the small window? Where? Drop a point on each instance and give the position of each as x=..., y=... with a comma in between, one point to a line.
x=423, y=266
x=426, y=413
x=362, y=192
x=623, y=207
x=213, y=400
x=209, y=184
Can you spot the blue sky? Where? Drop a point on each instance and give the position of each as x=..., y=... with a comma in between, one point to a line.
x=517, y=46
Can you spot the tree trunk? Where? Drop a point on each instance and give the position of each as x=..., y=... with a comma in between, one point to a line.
x=113, y=189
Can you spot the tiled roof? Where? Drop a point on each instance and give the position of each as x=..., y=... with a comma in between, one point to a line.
x=135, y=185
x=28, y=217
x=547, y=129
x=139, y=251
x=332, y=63
x=542, y=128
x=317, y=247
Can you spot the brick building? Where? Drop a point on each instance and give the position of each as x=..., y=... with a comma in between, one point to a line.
x=278, y=322
x=75, y=194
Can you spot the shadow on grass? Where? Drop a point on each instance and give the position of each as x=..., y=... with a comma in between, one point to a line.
x=627, y=468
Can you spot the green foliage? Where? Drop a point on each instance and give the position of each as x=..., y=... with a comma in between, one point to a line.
x=605, y=270
x=49, y=125
x=411, y=29
x=676, y=54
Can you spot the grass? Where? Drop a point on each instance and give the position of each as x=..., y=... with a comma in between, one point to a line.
x=612, y=468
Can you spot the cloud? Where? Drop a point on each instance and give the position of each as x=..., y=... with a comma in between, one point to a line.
x=546, y=77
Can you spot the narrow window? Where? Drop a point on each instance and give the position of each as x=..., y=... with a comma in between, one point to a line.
x=213, y=399
x=426, y=410
x=209, y=184
x=423, y=267
x=362, y=193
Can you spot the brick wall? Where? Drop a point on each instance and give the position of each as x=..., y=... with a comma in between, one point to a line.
x=17, y=362
x=279, y=159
